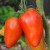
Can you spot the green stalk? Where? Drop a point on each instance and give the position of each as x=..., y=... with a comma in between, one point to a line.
x=49, y=38
x=23, y=6
x=39, y=4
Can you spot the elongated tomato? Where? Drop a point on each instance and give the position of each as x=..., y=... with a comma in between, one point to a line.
x=12, y=31
x=32, y=25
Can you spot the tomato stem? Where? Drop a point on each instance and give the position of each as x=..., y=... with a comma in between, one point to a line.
x=40, y=8
x=23, y=6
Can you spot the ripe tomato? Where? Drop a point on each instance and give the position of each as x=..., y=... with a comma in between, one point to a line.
x=12, y=31
x=32, y=25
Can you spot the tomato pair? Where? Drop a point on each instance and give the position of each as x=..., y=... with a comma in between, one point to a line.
x=32, y=25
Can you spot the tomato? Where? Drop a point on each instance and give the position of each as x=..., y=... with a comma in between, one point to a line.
x=32, y=25
x=12, y=31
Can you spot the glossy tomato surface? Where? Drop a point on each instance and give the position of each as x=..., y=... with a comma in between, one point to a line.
x=12, y=31
x=32, y=25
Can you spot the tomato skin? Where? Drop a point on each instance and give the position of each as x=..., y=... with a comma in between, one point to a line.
x=12, y=31
x=32, y=25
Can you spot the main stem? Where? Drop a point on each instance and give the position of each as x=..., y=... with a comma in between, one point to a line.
x=40, y=8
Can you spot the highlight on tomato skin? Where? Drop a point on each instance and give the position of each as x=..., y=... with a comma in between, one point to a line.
x=12, y=31
x=32, y=25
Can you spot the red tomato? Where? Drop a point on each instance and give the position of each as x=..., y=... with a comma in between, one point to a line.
x=32, y=25
x=12, y=31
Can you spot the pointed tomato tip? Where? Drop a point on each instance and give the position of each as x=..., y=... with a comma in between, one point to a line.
x=8, y=46
x=35, y=44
